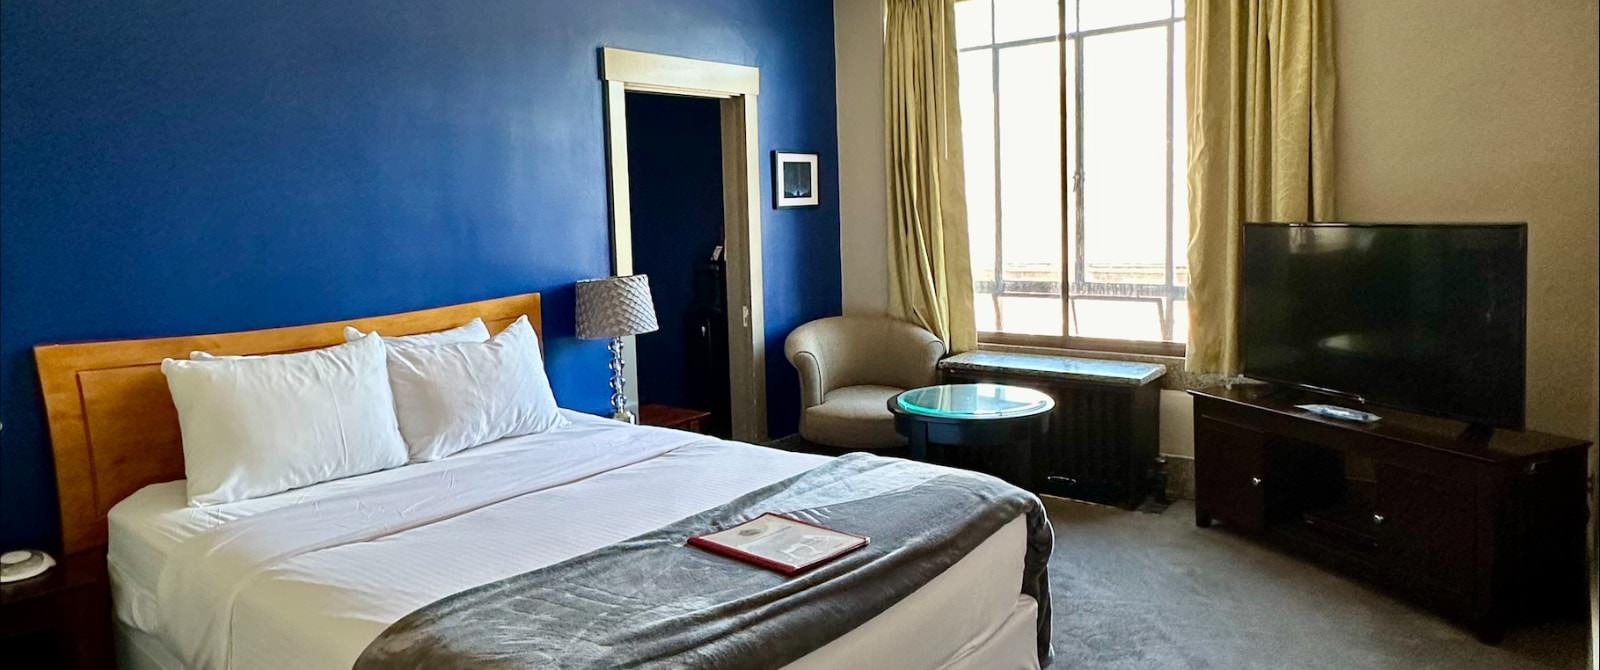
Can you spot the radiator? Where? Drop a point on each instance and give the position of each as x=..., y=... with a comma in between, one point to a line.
x=1102, y=442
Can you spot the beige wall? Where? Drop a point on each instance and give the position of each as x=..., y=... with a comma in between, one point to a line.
x=1485, y=110
x=1177, y=424
x=863, y=236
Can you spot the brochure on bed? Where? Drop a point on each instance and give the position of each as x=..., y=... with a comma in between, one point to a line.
x=780, y=544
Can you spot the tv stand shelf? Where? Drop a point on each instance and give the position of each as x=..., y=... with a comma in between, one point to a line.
x=1484, y=527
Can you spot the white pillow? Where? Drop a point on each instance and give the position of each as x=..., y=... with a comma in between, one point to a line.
x=257, y=425
x=471, y=331
x=452, y=397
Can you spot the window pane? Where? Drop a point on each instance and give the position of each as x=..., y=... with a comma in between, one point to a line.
x=1180, y=168
x=1117, y=319
x=983, y=308
x=977, y=138
x=1180, y=321
x=1014, y=153
x=1107, y=13
x=972, y=23
x=1125, y=157
x=1025, y=19
x=1030, y=181
x=1030, y=315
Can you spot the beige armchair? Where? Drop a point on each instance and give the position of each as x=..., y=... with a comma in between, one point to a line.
x=849, y=368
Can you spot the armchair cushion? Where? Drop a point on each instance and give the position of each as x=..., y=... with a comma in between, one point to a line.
x=853, y=417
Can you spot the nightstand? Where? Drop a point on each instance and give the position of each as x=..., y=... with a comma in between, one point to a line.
x=61, y=619
x=667, y=416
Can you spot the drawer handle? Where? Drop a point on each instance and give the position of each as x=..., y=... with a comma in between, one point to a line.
x=1069, y=481
x=1378, y=519
x=1255, y=481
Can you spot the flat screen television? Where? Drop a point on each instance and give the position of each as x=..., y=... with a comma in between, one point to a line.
x=1427, y=318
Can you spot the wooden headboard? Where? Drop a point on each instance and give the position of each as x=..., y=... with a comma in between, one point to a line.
x=113, y=427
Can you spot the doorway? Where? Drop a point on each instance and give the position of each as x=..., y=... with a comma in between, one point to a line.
x=675, y=174
x=735, y=89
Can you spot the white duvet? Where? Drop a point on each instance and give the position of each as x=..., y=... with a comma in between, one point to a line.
x=308, y=578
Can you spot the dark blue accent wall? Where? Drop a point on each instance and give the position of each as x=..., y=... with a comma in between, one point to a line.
x=172, y=168
x=675, y=186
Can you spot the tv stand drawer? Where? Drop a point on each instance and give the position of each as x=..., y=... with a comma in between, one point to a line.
x=1230, y=474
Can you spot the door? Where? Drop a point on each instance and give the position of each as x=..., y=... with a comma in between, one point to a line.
x=736, y=87
x=1229, y=474
x=676, y=210
x=1426, y=534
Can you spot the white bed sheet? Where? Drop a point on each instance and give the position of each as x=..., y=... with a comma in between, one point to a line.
x=322, y=607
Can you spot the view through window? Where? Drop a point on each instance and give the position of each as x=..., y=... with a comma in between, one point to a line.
x=1075, y=149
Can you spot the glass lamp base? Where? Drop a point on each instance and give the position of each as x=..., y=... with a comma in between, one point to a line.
x=619, y=398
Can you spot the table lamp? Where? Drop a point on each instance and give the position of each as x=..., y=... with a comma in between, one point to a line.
x=613, y=308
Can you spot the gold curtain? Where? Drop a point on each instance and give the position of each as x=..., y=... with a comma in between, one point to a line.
x=930, y=271
x=1260, y=85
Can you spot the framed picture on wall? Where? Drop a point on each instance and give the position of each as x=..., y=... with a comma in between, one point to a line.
x=794, y=180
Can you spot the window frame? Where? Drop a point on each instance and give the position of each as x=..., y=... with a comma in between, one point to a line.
x=1165, y=295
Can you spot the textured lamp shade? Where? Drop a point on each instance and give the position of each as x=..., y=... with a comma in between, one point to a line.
x=615, y=307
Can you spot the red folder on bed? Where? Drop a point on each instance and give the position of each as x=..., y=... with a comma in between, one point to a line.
x=779, y=543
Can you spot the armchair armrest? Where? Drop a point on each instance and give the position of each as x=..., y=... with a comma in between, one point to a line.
x=803, y=348
x=913, y=355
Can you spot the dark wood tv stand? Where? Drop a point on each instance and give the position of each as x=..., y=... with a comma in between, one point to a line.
x=1485, y=529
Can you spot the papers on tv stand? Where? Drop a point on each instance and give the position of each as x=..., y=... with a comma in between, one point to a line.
x=779, y=543
x=1341, y=413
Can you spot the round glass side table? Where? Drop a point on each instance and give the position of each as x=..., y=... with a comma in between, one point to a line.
x=985, y=427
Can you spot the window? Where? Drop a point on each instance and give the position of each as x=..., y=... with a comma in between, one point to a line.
x=1075, y=147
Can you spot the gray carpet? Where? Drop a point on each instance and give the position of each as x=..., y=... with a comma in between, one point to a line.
x=1134, y=590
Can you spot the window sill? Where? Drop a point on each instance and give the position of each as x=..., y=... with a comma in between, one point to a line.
x=1177, y=378
x=1173, y=363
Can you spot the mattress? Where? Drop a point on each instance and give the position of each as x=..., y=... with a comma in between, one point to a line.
x=303, y=592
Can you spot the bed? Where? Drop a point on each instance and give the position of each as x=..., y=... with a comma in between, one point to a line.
x=266, y=583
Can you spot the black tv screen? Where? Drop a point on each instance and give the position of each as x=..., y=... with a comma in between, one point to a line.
x=1427, y=318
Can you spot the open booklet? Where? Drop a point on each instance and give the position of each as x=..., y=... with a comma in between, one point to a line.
x=779, y=543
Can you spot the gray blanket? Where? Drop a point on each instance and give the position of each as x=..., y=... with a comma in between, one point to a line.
x=653, y=602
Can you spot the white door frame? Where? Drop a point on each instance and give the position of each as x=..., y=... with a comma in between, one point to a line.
x=737, y=87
